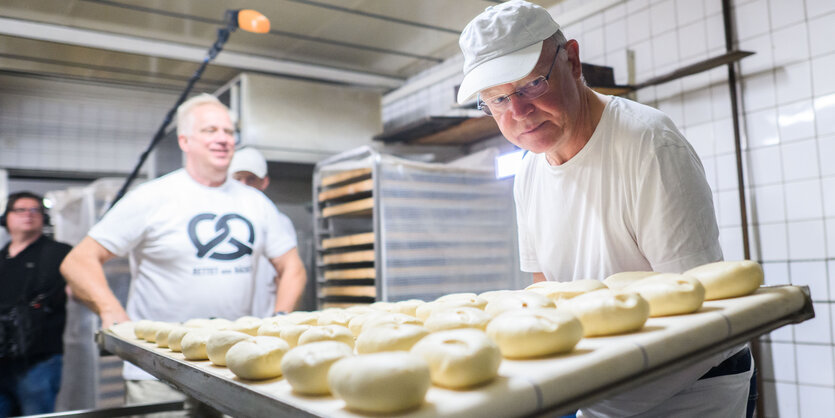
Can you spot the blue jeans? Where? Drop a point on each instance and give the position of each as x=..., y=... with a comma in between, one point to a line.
x=32, y=390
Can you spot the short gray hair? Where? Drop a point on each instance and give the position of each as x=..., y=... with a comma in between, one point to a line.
x=185, y=110
x=559, y=37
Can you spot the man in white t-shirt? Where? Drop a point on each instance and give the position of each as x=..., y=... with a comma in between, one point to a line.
x=609, y=185
x=250, y=167
x=193, y=239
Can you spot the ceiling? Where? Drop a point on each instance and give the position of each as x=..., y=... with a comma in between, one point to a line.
x=159, y=43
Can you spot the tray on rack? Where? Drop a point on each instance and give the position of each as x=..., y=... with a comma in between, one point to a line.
x=596, y=369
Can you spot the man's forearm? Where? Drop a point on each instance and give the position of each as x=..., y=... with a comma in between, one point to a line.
x=290, y=288
x=85, y=275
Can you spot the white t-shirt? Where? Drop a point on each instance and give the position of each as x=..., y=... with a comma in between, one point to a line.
x=263, y=302
x=193, y=249
x=634, y=198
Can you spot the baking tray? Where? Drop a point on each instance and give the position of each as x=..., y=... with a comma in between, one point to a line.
x=596, y=369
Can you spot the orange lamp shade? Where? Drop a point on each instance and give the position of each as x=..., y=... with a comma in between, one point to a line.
x=253, y=21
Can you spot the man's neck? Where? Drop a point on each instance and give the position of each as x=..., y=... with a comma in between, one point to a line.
x=21, y=240
x=589, y=116
x=208, y=178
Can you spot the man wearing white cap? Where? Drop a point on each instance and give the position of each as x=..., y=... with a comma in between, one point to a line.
x=273, y=293
x=250, y=167
x=609, y=185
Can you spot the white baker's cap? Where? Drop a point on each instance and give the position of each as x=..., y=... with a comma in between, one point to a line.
x=248, y=159
x=502, y=45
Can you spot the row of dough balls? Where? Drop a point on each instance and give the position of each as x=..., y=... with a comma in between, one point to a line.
x=382, y=382
x=383, y=357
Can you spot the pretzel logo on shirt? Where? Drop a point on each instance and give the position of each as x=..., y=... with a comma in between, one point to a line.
x=223, y=231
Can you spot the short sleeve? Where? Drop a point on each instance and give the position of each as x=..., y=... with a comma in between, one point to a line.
x=123, y=226
x=675, y=220
x=280, y=234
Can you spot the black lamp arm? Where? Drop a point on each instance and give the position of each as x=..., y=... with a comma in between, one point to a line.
x=222, y=37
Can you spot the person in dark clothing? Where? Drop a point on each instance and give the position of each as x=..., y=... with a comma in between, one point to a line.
x=32, y=310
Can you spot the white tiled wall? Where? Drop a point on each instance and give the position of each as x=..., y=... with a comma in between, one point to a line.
x=788, y=111
x=60, y=126
x=437, y=98
x=788, y=137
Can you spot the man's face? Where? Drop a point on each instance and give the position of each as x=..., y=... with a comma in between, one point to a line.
x=541, y=124
x=250, y=179
x=211, y=140
x=25, y=215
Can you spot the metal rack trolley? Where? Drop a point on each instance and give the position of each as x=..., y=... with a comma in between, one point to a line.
x=390, y=229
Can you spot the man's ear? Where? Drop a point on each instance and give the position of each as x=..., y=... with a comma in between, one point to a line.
x=265, y=183
x=182, y=141
x=572, y=50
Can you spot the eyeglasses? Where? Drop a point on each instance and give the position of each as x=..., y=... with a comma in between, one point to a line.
x=532, y=90
x=33, y=211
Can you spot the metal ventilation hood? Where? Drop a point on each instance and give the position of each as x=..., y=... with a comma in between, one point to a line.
x=301, y=121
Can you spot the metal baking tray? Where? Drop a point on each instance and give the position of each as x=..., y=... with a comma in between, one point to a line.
x=598, y=368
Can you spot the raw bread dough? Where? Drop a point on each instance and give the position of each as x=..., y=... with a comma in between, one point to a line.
x=408, y=307
x=257, y=358
x=194, y=343
x=454, y=318
x=140, y=328
x=248, y=325
x=383, y=306
x=728, y=279
x=456, y=296
x=459, y=358
x=219, y=323
x=670, y=293
x=276, y=320
x=356, y=323
x=175, y=337
x=220, y=342
x=306, y=366
x=525, y=333
x=392, y=318
x=161, y=336
x=150, y=333
x=380, y=383
x=291, y=333
x=327, y=333
x=389, y=337
x=302, y=318
x=359, y=321
x=605, y=312
x=424, y=311
x=492, y=294
x=214, y=323
x=270, y=328
x=336, y=317
x=359, y=308
x=620, y=280
x=197, y=323
x=560, y=291
x=522, y=299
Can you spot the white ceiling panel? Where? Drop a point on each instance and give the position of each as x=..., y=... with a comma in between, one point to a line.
x=376, y=43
